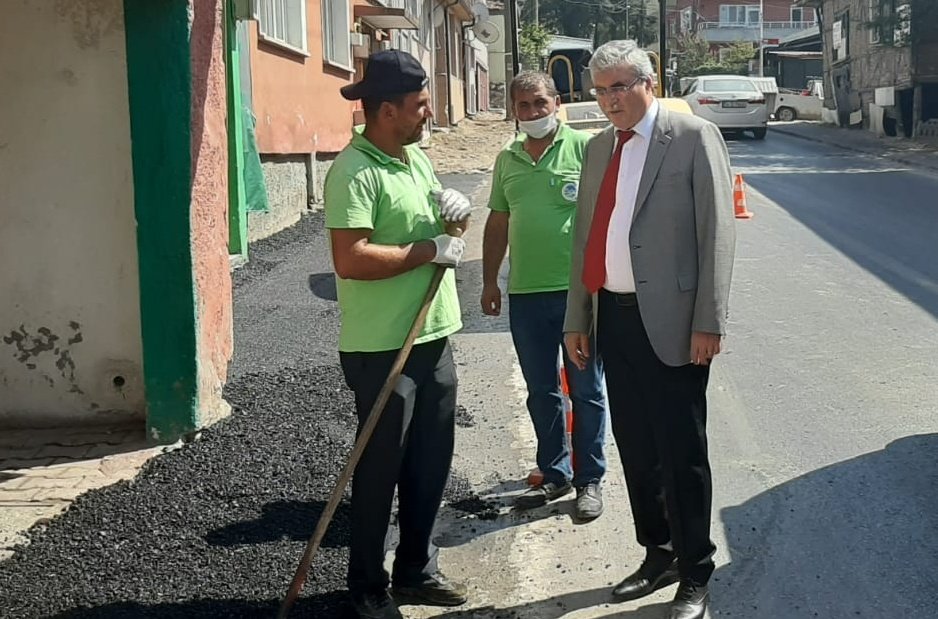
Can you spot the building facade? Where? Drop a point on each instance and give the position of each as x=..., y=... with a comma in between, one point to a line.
x=724, y=22
x=880, y=63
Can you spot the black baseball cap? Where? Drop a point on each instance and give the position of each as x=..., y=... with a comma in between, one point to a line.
x=388, y=73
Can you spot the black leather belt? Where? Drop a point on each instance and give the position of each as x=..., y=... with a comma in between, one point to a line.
x=624, y=299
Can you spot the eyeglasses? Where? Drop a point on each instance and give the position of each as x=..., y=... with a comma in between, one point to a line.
x=615, y=90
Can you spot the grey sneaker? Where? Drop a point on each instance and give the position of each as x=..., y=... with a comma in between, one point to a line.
x=589, y=501
x=543, y=494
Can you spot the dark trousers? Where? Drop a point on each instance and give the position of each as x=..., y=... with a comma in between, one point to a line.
x=411, y=449
x=659, y=416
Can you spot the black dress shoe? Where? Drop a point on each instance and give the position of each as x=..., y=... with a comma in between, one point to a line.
x=690, y=601
x=435, y=590
x=377, y=605
x=658, y=570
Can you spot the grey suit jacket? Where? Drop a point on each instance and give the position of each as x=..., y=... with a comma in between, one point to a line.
x=683, y=236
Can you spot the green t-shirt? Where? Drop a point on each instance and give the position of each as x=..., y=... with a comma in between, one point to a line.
x=541, y=201
x=368, y=189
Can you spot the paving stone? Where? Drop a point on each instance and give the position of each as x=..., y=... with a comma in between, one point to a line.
x=65, y=451
x=17, y=496
x=15, y=465
x=50, y=482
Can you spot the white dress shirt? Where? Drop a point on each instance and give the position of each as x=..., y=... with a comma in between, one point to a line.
x=619, y=277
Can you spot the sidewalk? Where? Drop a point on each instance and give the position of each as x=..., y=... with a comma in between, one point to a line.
x=43, y=471
x=920, y=153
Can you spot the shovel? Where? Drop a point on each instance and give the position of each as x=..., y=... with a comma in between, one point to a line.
x=302, y=570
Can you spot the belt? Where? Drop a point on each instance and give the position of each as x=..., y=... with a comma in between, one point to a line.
x=624, y=299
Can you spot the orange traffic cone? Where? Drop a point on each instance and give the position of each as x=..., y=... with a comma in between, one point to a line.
x=739, y=199
x=536, y=476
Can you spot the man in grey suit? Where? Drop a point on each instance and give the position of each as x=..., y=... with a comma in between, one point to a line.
x=652, y=260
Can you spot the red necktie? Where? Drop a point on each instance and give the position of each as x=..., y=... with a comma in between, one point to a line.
x=594, y=262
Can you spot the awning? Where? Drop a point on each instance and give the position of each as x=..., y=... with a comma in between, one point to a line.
x=802, y=55
x=385, y=18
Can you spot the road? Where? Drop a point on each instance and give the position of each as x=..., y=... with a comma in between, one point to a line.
x=823, y=427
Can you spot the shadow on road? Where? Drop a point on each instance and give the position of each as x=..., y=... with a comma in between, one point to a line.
x=293, y=520
x=856, y=538
x=880, y=217
x=333, y=605
x=558, y=606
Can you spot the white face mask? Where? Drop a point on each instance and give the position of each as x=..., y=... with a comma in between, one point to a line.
x=539, y=128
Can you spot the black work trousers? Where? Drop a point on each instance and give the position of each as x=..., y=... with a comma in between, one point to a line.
x=411, y=449
x=658, y=415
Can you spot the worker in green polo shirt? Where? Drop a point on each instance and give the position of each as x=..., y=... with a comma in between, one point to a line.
x=533, y=204
x=385, y=211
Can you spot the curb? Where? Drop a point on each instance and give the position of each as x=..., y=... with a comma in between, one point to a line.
x=883, y=155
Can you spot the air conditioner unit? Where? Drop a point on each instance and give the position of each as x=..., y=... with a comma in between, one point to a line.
x=358, y=39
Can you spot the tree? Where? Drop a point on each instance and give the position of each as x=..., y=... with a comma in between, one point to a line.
x=694, y=57
x=599, y=20
x=532, y=43
x=737, y=57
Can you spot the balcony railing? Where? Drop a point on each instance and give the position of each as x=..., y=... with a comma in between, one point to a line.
x=769, y=25
x=726, y=32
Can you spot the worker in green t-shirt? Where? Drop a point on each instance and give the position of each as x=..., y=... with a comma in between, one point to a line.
x=533, y=204
x=385, y=211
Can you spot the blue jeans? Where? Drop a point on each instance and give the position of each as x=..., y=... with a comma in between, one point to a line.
x=537, y=330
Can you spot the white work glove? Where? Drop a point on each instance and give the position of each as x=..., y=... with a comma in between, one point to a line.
x=454, y=206
x=449, y=250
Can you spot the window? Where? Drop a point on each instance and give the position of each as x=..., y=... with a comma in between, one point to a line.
x=728, y=85
x=841, y=36
x=802, y=15
x=875, y=29
x=283, y=22
x=687, y=19
x=336, y=46
x=739, y=14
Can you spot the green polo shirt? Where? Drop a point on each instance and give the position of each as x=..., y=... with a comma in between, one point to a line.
x=368, y=189
x=541, y=201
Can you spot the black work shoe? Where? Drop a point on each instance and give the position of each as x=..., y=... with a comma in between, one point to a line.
x=690, y=601
x=435, y=590
x=375, y=606
x=589, y=501
x=658, y=570
x=543, y=494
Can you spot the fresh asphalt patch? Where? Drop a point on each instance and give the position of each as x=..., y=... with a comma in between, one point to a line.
x=217, y=527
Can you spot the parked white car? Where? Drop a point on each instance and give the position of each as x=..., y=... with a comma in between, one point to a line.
x=731, y=102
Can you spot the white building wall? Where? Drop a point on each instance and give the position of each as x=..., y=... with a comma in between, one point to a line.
x=70, y=341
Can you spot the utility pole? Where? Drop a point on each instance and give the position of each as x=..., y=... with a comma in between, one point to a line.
x=537, y=12
x=761, y=38
x=627, y=35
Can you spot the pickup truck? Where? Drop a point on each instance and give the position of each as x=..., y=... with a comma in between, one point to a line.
x=800, y=104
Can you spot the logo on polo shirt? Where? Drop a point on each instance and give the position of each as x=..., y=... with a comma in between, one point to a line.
x=569, y=191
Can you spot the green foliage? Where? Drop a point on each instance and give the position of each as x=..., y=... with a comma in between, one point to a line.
x=694, y=57
x=599, y=20
x=532, y=42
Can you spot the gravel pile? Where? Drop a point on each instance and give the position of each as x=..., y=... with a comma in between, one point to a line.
x=216, y=529
x=212, y=530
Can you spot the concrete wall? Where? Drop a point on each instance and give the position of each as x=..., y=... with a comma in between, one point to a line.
x=296, y=98
x=214, y=338
x=70, y=343
x=287, y=195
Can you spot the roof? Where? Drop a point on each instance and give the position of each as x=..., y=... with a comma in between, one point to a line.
x=807, y=33
x=802, y=55
x=559, y=41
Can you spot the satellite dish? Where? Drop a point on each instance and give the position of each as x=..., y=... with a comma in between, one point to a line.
x=486, y=31
x=438, y=14
x=480, y=11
